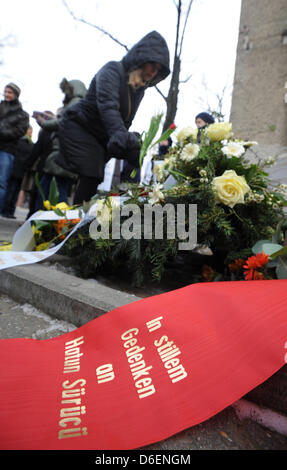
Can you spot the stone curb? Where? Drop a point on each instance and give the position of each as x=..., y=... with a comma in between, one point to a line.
x=61, y=295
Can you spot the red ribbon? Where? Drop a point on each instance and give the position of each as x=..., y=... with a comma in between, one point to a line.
x=145, y=371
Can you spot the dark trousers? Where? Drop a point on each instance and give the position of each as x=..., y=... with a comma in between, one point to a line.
x=11, y=196
x=86, y=189
x=6, y=166
x=64, y=186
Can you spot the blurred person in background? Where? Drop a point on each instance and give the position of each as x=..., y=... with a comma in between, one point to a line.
x=21, y=158
x=14, y=122
x=202, y=120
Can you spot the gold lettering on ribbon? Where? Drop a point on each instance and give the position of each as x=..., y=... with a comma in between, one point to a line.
x=154, y=324
x=168, y=352
x=73, y=355
x=105, y=373
x=70, y=416
x=138, y=367
x=72, y=406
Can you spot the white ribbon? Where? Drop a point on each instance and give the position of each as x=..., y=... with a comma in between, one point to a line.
x=23, y=242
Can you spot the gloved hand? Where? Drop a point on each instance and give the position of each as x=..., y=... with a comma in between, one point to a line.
x=133, y=149
x=125, y=145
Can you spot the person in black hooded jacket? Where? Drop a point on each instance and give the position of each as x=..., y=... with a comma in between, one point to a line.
x=97, y=127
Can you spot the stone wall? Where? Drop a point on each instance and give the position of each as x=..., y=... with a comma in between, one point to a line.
x=259, y=100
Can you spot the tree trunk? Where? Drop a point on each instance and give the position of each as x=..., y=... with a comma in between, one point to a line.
x=172, y=98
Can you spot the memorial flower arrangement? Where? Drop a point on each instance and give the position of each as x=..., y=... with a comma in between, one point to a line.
x=240, y=218
x=51, y=232
x=237, y=205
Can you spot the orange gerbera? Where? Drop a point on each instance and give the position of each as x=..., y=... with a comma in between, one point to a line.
x=61, y=223
x=254, y=275
x=252, y=265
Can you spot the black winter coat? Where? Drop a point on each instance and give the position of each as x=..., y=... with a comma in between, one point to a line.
x=96, y=128
x=22, y=156
x=41, y=149
x=14, y=122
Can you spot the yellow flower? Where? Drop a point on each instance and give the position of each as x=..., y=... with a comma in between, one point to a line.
x=186, y=132
x=42, y=246
x=230, y=188
x=62, y=206
x=219, y=131
x=35, y=231
x=6, y=246
x=47, y=205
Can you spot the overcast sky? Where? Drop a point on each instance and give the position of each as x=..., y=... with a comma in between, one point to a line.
x=51, y=45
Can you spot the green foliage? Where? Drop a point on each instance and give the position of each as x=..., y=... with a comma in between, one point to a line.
x=53, y=192
x=40, y=189
x=147, y=138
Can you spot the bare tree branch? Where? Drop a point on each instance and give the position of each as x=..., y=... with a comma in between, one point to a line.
x=108, y=34
x=161, y=93
x=186, y=79
x=185, y=23
x=178, y=7
x=95, y=26
x=217, y=109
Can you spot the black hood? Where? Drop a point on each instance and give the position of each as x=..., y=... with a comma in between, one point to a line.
x=151, y=48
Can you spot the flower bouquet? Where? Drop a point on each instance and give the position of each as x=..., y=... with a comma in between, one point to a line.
x=240, y=217
x=237, y=205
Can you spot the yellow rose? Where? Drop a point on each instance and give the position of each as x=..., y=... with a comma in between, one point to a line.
x=219, y=131
x=230, y=188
